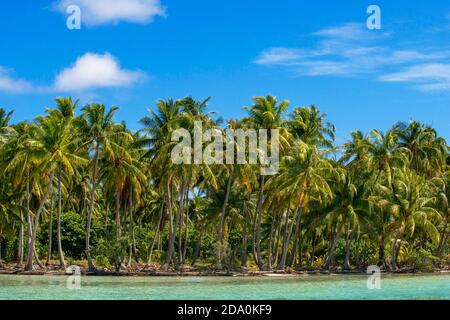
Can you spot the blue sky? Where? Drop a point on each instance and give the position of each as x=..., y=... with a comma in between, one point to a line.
x=131, y=53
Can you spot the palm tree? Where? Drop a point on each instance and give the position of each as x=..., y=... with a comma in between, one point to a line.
x=98, y=128
x=443, y=190
x=159, y=127
x=309, y=125
x=303, y=175
x=266, y=113
x=426, y=148
x=51, y=145
x=5, y=118
x=410, y=206
x=349, y=210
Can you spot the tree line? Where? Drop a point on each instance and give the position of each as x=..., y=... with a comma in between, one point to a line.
x=77, y=185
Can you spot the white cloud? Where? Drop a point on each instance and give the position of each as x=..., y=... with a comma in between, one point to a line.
x=428, y=77
x=99, y=12
x=13, y=85
x=353, y=50
x=349, y=31
x=92, y=71
x=278, y=56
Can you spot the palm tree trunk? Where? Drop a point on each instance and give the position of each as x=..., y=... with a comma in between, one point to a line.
x=36, y=256
x=20, y=245
x=258, y=223
x=244, y=249
x=443, y=240
x=347, y=251
x=29, y=222
x=198, y=246
x=117, y=217
x=180, y=228
x=186, y=229
x=62, y=263
x=91, y=266
x=31, y=247
x=394, y=265
x=313, y=249
x=329, y=262
x=277, y=241
x=222, y=220
x=441, y=247
x=287, y=237
x=296, y=243
x=269, y=245
x=381, y=253
x=171, y=248
x=50, y=231
x=130, y=254
x=158, y=230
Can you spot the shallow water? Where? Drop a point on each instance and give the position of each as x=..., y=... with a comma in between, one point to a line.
x=342, y=287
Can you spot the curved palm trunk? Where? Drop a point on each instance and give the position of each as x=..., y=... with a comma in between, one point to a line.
x=277, y=242
x=222, y=220
x=287, y=238
x=36, y=256
x=394, y=254
x=33, y=229
x=158, y=230
x=347, y=252
x=297, y=244
x=50, y=230
x=269, y=245
x=329, y=262
x=381, y=253
x=91, y=266
x=62, y=263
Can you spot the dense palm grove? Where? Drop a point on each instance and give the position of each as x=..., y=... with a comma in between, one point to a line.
x=78, y=187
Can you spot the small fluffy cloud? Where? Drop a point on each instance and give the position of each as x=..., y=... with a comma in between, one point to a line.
x=13, y=85
x=92, y=71
x=353, y=50
x=100, y=12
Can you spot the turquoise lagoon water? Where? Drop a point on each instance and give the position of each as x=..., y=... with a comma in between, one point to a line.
x=341, y=287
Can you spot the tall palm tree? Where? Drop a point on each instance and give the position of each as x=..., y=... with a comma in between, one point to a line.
x=51, y=145
x=303, y=175
x=410, y=206
x=267, y=114
x=98, y=128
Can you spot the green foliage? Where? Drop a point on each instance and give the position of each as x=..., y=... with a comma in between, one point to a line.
x=421, y=260
x=385, y=191
x=73, y=232
x=111, y=250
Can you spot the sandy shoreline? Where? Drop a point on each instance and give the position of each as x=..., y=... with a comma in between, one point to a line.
x=208, y=273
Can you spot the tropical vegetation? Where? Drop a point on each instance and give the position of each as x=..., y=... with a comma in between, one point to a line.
x=78, y=187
